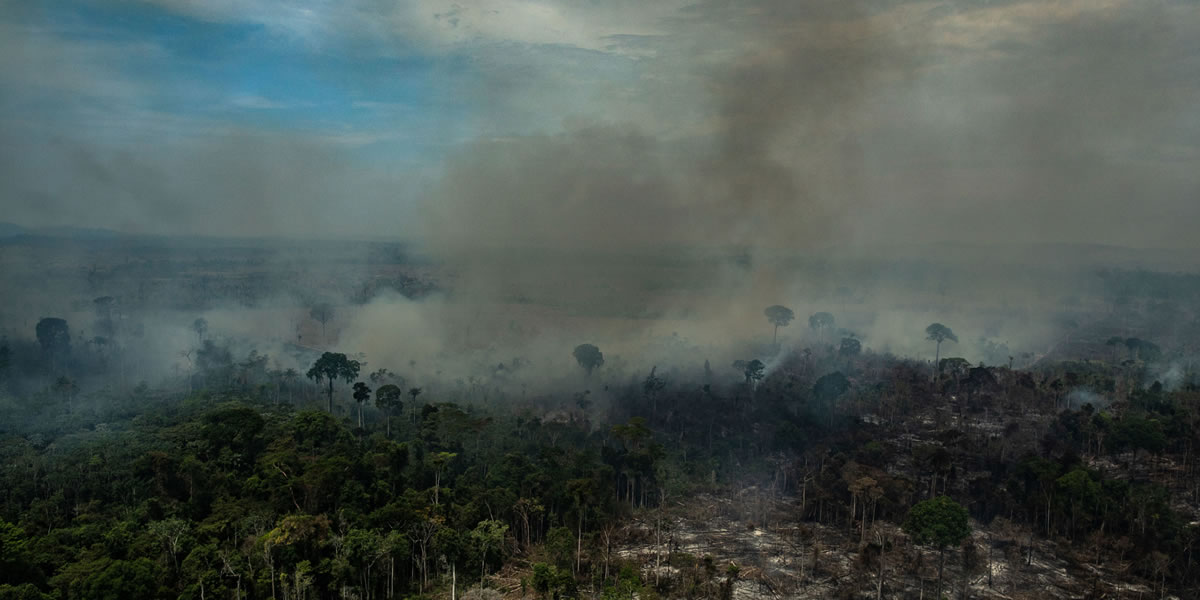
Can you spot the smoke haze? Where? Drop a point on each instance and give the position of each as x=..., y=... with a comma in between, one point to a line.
x=646, y=177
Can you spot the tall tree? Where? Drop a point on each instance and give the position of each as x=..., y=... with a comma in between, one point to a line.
x=331, y=367
x=362, y=393
x=413, y=393
x=388, y=398
x=589, y=357
x=938, y=333
x=939, y=522
x=779, y=316
x=487, y=535
x=439, y=461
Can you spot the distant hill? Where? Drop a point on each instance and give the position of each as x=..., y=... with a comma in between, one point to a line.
x=10, y=230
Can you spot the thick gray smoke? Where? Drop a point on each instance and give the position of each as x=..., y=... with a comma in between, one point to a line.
x=645, y=176
x=848, y=124
x=774, y=160
x=845, y=129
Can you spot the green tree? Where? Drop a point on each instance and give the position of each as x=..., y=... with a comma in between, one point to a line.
x=413, y=393
x=439, y=461
x=560, y=545
x=779, y=316
x=389, y=399
x=551, y=582
x=331, y=367
x=25, y=591
x=362, y=394
x=124, y=580
x=174, y=535
x=939, y=522
x=201, y=573
x=589, y=357
x=1081, y=493
x=488, y=535
x=17, y=564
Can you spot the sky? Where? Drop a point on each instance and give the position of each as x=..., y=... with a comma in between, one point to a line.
x=605, y=124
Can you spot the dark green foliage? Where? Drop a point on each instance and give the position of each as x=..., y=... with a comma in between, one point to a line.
x=390, y=399
x=560, y=547
x=17, y=565
x=331, y=367
x=124, y=580
x=1137, y=433
x=551, y=582
x=939, y=522
x=25, y=591
x=226, y=493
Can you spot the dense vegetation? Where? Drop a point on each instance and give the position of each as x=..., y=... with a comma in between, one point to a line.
x=232, y=490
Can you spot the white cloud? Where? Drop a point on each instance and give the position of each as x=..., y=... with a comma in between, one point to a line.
x=255, y=102
x=446, y=24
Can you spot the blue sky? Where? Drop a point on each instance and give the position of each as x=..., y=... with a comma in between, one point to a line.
x=237, y=73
